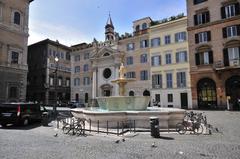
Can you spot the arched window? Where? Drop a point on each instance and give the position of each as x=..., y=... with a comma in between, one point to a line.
x=76, y=82
x=146, y=93
x=144, y=26
x=86, y=97
x=17, y=18
x=131, y=93
x=106, y=54
x=76, y=97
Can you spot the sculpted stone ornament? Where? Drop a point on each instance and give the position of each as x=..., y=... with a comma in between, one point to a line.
x=122, y=71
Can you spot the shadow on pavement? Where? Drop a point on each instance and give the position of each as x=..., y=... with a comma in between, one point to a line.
x=20, y=127
x=166, y=138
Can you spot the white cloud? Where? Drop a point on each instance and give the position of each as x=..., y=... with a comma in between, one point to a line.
x=64, y=34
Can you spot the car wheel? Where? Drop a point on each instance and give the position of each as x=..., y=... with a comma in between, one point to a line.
x=25, y=121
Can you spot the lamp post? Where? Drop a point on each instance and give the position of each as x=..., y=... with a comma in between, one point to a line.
x=56, y=83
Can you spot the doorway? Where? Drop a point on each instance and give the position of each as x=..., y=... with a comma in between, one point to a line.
x=233, y=91
x=184, y=100
x=206, y=92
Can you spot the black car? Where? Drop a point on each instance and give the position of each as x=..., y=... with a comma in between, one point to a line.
x=20, y=113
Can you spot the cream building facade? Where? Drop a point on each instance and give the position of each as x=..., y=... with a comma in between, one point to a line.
x=13, y=49
x=171, y=85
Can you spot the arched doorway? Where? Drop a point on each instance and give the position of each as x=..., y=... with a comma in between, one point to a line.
x=146, y=93
x=131, y=93
x=232, y=86
x=206, y=92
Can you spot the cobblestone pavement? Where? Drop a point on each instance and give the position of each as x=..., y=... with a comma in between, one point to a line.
x=37, y=142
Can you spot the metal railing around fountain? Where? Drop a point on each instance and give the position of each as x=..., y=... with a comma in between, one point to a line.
x=107, y=127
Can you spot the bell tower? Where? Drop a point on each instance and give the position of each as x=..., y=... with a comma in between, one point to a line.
x=109, y=30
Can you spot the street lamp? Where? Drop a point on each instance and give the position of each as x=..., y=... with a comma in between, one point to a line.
x=56, y=59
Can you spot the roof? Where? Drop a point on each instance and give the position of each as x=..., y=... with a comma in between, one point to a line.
x=109, y=22
x=48, y=41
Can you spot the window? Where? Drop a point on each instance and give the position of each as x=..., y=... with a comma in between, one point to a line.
x=233, y=53
x=107, y=73
x=169, y=80
x=67, y=82
x=144, y=26
x=129, y=60
x=155, y=42
x=86, y=81
x=156, y=60
x=144, y=75
x=144, y=43
x=13, y=92
x=130, y=46
x=231, y=31
x=143, y=58
x=198, y=1
x=167, y=39
x=157, y=81
x=130, y=75
x=201, y=18
x=203, y=37
x=50, y=52
x=76, y=82
x=62, y=55
x=204, y=58
x=230, y=10
x=180, y=37
x=51, y=81
x=77, y=69
x=168, y=58
x=77, y=58
x=59, y=81
x=137, y=28
x=181, y=79
x=170, y=98
x=17, y=18
x=68, y=56
x=181, y=56
x=15, y=56
x=85, y=67
x=86, y=56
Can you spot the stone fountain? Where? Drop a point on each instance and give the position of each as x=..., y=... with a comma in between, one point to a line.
x=122, y=108
x=121, y=102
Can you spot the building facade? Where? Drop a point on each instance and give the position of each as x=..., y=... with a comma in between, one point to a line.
x=214, y=45
x=49, y=76
x=13, y=49
x=171, y=85
x=103, y=62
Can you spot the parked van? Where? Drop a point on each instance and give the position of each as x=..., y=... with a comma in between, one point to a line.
x=20, y=113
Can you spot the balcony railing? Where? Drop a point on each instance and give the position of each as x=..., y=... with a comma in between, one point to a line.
x=219, y=65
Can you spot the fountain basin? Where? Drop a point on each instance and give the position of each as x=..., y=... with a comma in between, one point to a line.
x=168, y=117
x=123, y=103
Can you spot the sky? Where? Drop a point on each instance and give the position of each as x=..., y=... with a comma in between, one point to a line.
x=76, y=21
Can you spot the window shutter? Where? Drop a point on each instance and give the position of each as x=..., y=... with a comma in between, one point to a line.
x=225, y=56
x=197, y=59
x=239, y=52
x=159, y=58
x=141, y=44
x=195, y=20
x=153, y=81
x=159, y=41
x=177, y=57
x=207, y=17
x=185, y=36
x=176, y=37
x=223, y=12
x=224, y=30
x=209, y=35
x=152, y=61
x=152, y=42
x=185, y=55
x=238, y=32
x=210, y=55
x=196, y=39
x=237, y=8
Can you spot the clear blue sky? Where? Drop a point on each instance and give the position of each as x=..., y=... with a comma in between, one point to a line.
x=75, y=21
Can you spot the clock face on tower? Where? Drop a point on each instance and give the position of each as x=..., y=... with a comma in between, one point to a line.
x=107, y=73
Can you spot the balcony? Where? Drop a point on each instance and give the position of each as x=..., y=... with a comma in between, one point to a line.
x=140, y=32
x=227, y=65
